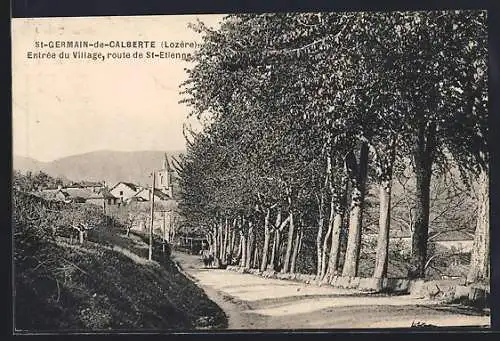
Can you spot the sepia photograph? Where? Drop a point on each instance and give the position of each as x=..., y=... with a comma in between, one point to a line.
x=251, y=171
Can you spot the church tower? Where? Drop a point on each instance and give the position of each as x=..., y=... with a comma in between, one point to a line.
x=164, y=178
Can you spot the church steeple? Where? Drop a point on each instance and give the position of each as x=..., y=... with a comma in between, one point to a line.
x=166, y=165
x=165, y=177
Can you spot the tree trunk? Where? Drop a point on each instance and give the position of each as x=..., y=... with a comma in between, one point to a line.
x=243, y=257
x=267, y=235
x=276, y=242
x=232, y=240
x=281, y=255
x=221, y=241
x=300, y=242
x=238, y=254
x=243, y=260
x=217, y=239
x=228, y=245
x=319, y=235
x=337, y=209
x=356, y=213
x=480, y=255
x=382, y=255
x=216, y=243
x=277, y=256
x=322, y=242
x=350, y=268
x=208, y=236
x=288, y=252
x=250, y=243
x=296, y=249
x=325, y=244
x=226, y=242
x=255, y=263
x=333, y=260
x=423, y=156
x=270, y=264
x=80, y=234
x=384, y=161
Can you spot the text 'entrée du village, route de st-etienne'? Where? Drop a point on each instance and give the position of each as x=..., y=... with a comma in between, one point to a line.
x=129, y=50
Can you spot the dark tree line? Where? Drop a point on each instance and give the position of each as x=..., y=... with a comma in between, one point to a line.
x=303, y=111
x=34, y=181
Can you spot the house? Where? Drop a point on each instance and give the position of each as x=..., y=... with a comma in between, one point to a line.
x=124, y=190
x=53, y=194
x=129, y=192
x=57, y=194
x=89, y=185
x=103, y=198
x=78, y=194
x=459, y=241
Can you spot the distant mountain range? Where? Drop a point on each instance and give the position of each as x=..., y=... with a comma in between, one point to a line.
x=109, y=166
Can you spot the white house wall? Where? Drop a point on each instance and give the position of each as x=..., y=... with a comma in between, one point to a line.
x=122, y=191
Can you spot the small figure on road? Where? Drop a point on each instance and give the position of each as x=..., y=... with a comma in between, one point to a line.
x=207, y=258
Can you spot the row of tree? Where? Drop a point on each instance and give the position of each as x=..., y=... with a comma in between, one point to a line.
x=34, y=181
x=35, y=218
x=301, y=111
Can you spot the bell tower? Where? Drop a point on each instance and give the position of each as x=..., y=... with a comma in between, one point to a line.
x=165, y=177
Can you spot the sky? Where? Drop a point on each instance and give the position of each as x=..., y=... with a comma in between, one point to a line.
x=63, y=107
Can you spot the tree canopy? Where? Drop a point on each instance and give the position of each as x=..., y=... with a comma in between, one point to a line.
x=302, y=109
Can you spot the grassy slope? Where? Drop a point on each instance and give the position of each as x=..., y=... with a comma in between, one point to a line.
x=102, y=289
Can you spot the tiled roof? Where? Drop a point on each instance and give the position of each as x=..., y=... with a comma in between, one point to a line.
x=105, y=193
x=83, y=184
x=452, y=236
x=90, y=184
x=132, y=186
x=439, y=235
x=79, y=193
x=76, y=192
x=160, y=194
x=135, y=199
x=49, y=194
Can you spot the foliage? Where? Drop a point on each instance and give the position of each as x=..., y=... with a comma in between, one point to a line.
x=33, y=182
x=287, y=99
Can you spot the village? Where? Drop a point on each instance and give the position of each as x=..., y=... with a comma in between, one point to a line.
x=129, y=199
x=134, y=201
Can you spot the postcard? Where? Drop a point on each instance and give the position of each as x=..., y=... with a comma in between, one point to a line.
x=271, y=171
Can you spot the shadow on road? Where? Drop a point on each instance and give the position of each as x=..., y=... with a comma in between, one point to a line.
x=254, y=302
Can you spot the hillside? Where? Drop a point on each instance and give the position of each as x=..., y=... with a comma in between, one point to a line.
x=110, y=166
x=105, y=284
x=26, y=164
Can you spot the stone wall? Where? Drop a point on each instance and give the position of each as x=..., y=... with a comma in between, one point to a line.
x=444, y=290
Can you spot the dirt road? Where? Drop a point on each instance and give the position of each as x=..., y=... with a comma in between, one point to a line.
x=253, y=302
